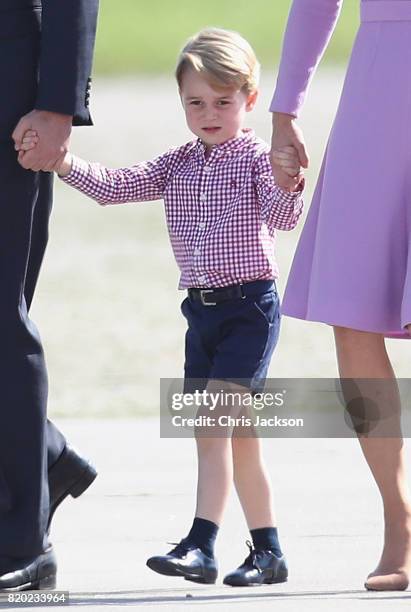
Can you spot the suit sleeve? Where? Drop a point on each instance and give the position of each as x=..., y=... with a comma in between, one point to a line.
x=67, y=42
x=309, y=29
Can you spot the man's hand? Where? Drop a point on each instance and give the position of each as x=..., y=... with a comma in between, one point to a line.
x=53, y=130
x=30, y=141
x=286, y=134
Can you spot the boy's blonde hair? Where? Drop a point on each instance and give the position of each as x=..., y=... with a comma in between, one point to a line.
x=224, y=57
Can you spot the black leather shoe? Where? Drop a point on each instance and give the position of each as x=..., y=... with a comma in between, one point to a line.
x=70, y=475
x=187, y=561
x=31, y=574
x=260, y=567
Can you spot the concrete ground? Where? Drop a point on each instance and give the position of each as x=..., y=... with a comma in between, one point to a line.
x=329, y=519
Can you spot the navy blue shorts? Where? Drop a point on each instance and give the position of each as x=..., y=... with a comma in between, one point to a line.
x=233, y=340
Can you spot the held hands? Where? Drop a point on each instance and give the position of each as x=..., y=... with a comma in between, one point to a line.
x=30, y=141
x=288, y=153
x=287, y=162
x=53, y=134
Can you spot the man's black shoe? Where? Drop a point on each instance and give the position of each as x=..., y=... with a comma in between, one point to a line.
x=31, y=574
x=260, y=567
x=70, y=475
x=188, y=561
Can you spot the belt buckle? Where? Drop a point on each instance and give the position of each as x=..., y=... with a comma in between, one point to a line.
x=202, y=292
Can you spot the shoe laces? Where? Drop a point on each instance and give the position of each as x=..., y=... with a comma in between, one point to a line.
x=253, y=557
x=181, y=548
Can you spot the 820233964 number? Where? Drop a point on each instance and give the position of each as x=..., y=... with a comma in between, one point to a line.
x=37, y=597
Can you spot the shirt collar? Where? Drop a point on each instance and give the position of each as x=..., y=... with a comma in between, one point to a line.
x=229, y=146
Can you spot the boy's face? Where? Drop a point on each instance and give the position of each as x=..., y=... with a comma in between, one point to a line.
x=214, y=115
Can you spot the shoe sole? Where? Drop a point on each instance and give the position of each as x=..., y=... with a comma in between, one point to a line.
x=276, y=580
x=170, y=570
x=46, y=583
x=201, y=579
x=87, y=477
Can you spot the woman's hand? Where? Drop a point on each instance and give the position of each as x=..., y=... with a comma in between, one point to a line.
x=286, y=134
x=288, y=161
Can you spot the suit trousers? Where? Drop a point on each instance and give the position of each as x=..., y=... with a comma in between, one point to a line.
x=28, y=443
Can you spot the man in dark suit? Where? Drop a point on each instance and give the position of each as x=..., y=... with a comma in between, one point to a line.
x=46, y=49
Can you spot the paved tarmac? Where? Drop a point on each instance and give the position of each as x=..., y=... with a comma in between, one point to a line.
x=329, y=518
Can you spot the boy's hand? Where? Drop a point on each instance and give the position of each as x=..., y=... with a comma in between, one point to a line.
x=287, y=133
x=29, y=141
x=287, y=159
x=64, y=168
x=54, y=131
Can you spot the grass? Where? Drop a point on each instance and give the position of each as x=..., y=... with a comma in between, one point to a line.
x=135, y=36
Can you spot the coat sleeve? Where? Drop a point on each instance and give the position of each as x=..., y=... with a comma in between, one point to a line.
x=309, y=29
x=68, y=33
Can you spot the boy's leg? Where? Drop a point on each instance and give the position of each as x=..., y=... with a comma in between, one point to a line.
x=249, y=333
x=215, y=456
x=194, y=558
x=219, y=341
x=246, y=354
x=265, y=564
x=252, y=481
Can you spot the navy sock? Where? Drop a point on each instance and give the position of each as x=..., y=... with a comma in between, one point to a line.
x=266, y=539
x=203, y=534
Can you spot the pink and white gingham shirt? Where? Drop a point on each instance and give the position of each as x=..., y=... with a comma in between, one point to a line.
x=222, y=210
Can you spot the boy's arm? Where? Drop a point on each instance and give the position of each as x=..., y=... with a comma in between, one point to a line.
x=139, y=183
x=279, y=209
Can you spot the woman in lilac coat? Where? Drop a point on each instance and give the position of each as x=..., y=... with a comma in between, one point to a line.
x=352, y=267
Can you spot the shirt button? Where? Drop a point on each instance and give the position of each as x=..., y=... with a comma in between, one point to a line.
x=201, y=279
x=207, y=169
x=197, y=252
x=203, y=197
x=201, y=225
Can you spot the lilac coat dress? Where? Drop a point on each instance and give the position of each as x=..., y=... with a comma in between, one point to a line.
x=352, y=266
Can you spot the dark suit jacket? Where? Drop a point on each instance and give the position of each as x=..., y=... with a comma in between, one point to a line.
x=68, y=29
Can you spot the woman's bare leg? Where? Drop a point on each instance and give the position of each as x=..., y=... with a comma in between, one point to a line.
x=362, y=355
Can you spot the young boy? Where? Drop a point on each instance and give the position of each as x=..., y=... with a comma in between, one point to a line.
x=222, y=208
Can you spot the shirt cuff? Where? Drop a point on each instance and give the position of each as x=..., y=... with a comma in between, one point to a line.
x=79, y=170
x=289, y=197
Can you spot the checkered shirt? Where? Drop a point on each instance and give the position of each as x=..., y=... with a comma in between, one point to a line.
x=222, y=209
